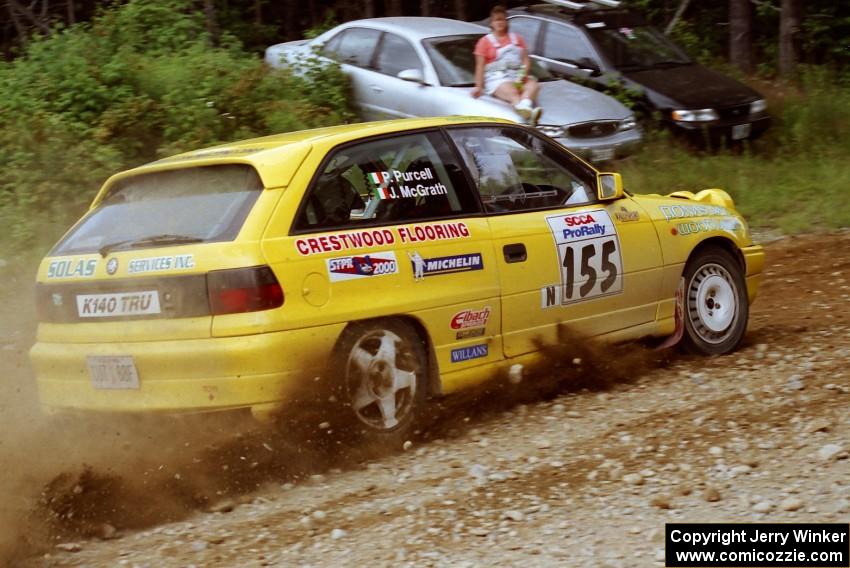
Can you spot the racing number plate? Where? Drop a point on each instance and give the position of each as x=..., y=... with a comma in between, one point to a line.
x=741, y=131
x=117, y=372
x=589, y=256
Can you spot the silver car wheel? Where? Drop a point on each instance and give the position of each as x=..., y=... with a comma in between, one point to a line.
x=712, y=303
x=382, y=377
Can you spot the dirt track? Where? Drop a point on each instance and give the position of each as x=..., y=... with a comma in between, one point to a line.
x=587, y=477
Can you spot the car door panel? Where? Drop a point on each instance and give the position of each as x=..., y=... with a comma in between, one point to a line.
x=594, y=266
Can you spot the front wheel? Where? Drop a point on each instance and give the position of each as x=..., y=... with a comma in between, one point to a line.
x=384, y=363
x=716, y=303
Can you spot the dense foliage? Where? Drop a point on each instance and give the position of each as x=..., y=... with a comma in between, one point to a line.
x=141, y=79
x=138, y=82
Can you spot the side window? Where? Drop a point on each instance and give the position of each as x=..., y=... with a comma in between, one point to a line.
x=353, y=46
x=528, y=28
x=563, y=43
x=397, y=55
x=514, y=170
x=392, y=180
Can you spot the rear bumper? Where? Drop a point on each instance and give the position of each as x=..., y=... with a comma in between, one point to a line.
x=194, y=375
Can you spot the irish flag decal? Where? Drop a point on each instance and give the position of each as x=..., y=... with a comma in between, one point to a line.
x=381, y=181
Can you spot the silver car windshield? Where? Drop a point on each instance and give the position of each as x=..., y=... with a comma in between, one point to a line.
x=638, y=47
x=454, y=61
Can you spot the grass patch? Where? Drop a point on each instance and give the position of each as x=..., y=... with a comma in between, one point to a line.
x=801, y=193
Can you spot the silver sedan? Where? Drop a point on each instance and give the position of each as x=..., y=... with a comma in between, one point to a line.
x=405, y=67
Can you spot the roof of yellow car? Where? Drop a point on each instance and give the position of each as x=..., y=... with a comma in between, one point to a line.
x=276, y=157
x=344, y=132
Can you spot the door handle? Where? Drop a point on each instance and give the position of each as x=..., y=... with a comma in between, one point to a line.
x=376, y=88
x=515, y=252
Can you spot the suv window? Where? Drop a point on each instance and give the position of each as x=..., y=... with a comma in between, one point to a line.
x=563, y=43
x=390, y=180
x=397, y=55
x=201, y=204
x=515, y=170
x=353, y=46
x=528, y=28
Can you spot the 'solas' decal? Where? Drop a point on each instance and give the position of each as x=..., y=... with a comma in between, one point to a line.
x=72, y=268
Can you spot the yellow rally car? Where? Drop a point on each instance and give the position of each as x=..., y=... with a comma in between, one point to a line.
x=384, y=263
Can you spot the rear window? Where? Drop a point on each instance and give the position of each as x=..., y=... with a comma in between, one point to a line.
x=200, y=204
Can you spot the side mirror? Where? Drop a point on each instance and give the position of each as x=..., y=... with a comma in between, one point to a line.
x=609, y=186
x=587, y=64
x=412, y=75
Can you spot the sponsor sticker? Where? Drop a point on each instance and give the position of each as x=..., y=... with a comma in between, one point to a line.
x=470, y=323
x=471, y=352
x=589, y=258
x=72, y=268
x=119, y=304
x=706, y=225
x=625, y=215
x=423, y=267
x=467, y=333
x=471, y=318
x=367, y=238
x=112, y=266
x=395, y=184
x=365, y=266
x=671, y=212
x=160, y=263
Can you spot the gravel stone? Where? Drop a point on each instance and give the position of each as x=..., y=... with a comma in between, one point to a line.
x=791, y=504
x=829, y=451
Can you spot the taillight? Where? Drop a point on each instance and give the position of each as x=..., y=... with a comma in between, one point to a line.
x=242, y=290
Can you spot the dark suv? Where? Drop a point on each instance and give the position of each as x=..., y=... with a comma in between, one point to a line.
x=607, y=45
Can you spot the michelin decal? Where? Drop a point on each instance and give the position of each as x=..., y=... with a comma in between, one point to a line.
x=423, y=267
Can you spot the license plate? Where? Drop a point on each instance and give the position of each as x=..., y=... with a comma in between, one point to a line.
x=741, y=131
x=601, y=154
x=121, y=304
x=116, y=372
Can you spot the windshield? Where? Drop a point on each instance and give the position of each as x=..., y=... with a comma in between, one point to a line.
x=202, y=204
x=637, y=47
x=455, y=64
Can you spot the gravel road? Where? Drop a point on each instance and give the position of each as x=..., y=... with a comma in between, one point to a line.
x=586, y=476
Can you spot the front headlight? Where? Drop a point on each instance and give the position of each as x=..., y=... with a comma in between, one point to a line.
x=699, y=115
x=628, y=123
x=551, y=130
x=758, y=106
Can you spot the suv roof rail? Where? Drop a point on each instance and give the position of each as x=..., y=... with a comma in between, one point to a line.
x=582, y=5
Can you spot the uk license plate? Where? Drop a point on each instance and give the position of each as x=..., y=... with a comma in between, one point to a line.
x=741, y=131
x=113, y=372
x=601, y=154
x=145, y=302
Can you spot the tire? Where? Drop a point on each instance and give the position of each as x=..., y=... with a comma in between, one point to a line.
x=716, y=303
x=384, y=365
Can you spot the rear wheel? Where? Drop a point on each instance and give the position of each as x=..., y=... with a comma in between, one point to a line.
x=716, y=303
x=385, y=365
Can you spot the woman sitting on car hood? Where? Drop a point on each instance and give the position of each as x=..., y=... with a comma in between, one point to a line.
x=502, y=68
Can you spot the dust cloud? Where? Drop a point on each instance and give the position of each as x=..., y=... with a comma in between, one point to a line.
x=68, y=478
